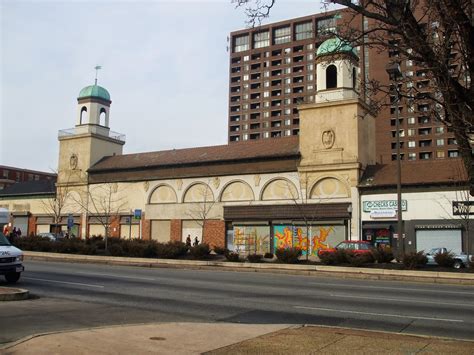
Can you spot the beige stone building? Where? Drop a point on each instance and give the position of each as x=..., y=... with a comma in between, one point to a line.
x=251, y=196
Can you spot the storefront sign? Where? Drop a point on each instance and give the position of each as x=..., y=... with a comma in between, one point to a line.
x=438, y=226
x=370, y=206
x=383, y=214
x=463, y=208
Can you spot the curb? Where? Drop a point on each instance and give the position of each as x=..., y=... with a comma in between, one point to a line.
x=13, y=294
x=310, y=270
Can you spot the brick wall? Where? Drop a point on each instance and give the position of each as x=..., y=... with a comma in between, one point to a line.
x=146, y=228
x=175, y=229
x=214, y=233
x=31, y=225
x=114, y=229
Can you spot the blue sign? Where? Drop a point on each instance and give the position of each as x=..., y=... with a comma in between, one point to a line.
x=137, y=214
x=70, y=221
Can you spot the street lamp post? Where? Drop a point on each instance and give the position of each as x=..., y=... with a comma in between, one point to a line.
x=349, y=211
x=394, y=72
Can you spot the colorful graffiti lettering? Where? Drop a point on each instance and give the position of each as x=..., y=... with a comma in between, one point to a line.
x=295, y=236
x=283, y=237
x=252, y=239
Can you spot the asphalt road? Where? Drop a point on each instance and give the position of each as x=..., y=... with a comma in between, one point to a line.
x=72, y=296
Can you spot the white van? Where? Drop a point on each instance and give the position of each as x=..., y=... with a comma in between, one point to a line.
x=11, y=260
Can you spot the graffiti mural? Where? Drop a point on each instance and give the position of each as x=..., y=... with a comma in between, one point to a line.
x=252, y=239
x=320, y=237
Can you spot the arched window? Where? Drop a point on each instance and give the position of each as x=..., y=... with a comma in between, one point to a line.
x=83, y=118
x=331, y=77
x=354, y=77
x=102, y=116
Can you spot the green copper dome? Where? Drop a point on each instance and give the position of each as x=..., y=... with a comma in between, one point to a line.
x=333, y=46
x=94, y=91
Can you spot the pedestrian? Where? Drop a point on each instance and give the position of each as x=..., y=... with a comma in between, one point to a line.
x=18, y=232
x=196, y=242
x=188, y=241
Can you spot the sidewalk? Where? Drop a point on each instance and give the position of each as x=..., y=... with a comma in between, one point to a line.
x=225, y=338
x=313, y=270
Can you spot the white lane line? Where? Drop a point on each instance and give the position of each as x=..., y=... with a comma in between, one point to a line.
x=394, y=288
x=380, y=314
x=401, y=300
x=64, y=282
x=117, y=276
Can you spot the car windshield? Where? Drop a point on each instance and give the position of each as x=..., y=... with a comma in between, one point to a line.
x=3, y=240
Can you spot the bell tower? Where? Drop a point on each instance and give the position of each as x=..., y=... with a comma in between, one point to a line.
x=90, y=140
x=337, y=131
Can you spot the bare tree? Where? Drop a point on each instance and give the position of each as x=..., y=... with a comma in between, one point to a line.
x=201, y=211
x=301, y=198
x=58, y=204
x=462, y=206
x=437, y=36
x=103, y=202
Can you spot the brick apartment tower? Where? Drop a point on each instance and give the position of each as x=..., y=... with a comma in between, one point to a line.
x=272, y=70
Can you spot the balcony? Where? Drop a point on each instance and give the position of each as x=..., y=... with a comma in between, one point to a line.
x=89, y=128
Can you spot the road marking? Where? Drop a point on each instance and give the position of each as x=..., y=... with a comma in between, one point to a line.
x=117, y=276
x=64, y=282
x=401, y=300
x=380, y=314
x=395, y=288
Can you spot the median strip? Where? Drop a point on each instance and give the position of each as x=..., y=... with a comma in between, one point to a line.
x=380, y=314
x=298, y=269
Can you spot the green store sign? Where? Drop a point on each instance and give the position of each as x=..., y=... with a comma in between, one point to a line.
x=370, y=206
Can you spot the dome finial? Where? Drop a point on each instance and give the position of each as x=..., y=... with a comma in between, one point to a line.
x=97, y=67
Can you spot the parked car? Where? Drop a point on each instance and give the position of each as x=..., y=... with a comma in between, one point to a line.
x=11, y=260
x=460, y=260
x=49, y=236
x=358, y=246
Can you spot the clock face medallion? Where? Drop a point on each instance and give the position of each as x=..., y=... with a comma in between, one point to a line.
x=73, y=161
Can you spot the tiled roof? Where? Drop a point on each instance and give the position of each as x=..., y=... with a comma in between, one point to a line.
x=448, y=171
x=239, y=151
x=29, y=188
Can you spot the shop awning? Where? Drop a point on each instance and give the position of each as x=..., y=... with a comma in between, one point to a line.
x=314, y=212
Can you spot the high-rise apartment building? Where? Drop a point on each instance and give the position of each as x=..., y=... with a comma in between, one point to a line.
x=272, y=70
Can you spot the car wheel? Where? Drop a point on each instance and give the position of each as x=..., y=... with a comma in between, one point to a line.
x=12, y=277
x=458, y=264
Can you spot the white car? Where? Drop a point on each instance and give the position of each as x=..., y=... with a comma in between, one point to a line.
x=460, y=260
x=11, y=260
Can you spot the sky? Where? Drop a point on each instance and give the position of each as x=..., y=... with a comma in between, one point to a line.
x=165, y=65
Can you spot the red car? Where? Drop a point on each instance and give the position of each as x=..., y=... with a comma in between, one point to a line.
x=358, y=246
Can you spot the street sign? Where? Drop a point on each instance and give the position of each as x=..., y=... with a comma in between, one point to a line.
x=463, y=208
x=70, y=221
x=137, y=214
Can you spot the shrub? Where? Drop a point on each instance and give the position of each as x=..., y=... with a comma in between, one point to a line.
x=288, y=255
x=68, y=246
x=254, y=258
x=115, y=250
x=414, y=260
x=358, y=259
x=171, y=250
x=200, y=251
x=444, y=259
x=268, y=256
x=132, y=248
x=232, y=256
x=383, y=255
x=329, y=258
x=219, y=250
